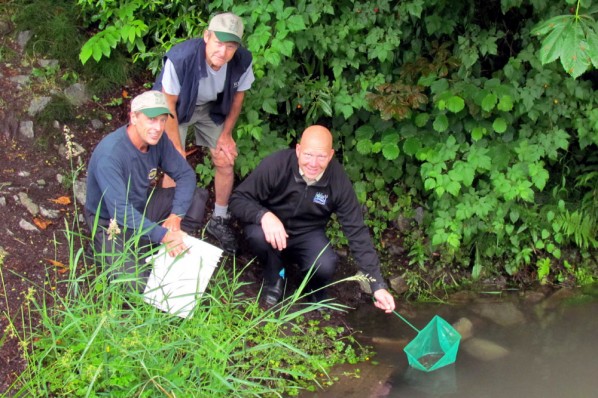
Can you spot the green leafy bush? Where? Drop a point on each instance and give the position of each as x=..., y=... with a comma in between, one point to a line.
x=457, y=106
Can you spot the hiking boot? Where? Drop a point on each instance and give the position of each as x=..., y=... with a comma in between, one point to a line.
x=218, y=227
x=271, y=293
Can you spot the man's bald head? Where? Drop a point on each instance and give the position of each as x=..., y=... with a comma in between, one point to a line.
x=317, y=136
x=314, y=151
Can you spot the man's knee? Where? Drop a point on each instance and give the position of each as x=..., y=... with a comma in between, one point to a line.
x=223, y=163
x=324, y=264
x=254, y=235
x=194, y=217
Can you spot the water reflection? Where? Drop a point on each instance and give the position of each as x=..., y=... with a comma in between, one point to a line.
x=520, y=347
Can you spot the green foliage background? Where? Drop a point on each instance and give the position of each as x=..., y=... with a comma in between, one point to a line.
x=453, y=107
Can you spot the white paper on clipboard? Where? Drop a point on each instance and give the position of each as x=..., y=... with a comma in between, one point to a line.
x=176, y=283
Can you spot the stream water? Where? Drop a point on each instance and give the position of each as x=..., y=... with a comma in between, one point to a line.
x=521, y=345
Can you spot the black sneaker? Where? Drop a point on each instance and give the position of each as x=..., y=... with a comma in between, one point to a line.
x=218, y=227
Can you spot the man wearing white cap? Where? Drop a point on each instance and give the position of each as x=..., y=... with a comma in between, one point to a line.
x=205, y=80
x=122, y=200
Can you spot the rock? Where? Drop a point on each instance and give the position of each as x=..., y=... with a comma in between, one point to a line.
x=77, y=94
x=397, y=344
x=2, y=201
x=41, y=182
x=497, y=283
x=20, y=80
x=31, y=207
x=48, y=63
x=75, y=151
x=396, y=250
x=364, y=285
x=5, y=28
x=23, y=174
x=9, y=127
x=462, y=297
x=38, y=104
x=419, y=216
x=341, y=252
x=27, y=226
x=502, y=313
x=556, y=298
x=80, y=189
x=533, y=296
x=23, y=38
x=97, y=124
x=59, y=178
x=48, y=213
x=26, y=129
x=403, y=224
x=484, y=350
x=399, y=285
x=464, y=327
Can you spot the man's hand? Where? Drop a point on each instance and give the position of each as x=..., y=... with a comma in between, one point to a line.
x=274, y=231
x=174, y=242
x=172, y=223
x=174, y=236
x=227, y=145
x=168, y=182
x=384, y=300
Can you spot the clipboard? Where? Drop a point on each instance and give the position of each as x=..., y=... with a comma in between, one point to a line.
x=177, y=283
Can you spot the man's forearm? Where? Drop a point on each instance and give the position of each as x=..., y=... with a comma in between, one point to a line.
x=172, y=124
x=172, y=131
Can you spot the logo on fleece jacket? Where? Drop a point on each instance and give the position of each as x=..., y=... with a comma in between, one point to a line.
x=320, y=198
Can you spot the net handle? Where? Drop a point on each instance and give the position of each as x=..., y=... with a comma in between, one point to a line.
x=406, y=321
x=400, y=316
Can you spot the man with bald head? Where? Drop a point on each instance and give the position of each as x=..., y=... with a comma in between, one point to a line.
x=285, y=204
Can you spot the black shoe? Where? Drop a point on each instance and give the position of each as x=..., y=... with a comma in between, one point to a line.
x=271, y=293
x=218, y=227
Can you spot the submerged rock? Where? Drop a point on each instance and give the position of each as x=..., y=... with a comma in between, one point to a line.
x=484, y=350
x=503, y=314
x=464, y=327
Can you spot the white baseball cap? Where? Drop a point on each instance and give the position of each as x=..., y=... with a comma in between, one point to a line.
x=151, y=104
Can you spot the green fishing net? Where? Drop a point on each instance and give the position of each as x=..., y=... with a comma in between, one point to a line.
x=435, y=346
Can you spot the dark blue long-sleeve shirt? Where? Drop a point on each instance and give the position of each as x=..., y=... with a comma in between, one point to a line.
x=119, y=176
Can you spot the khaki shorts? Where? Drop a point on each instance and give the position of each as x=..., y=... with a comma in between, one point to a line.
x=206, y=131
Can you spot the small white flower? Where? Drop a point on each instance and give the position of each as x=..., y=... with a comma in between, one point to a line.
x=113, y=229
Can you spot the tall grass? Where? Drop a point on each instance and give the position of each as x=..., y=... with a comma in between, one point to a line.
x=97, y=339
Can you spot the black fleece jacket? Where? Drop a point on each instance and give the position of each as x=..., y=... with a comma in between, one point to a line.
x=276, y=186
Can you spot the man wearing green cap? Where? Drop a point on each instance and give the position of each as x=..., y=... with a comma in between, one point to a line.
x=205, y=80
x=122, y=200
